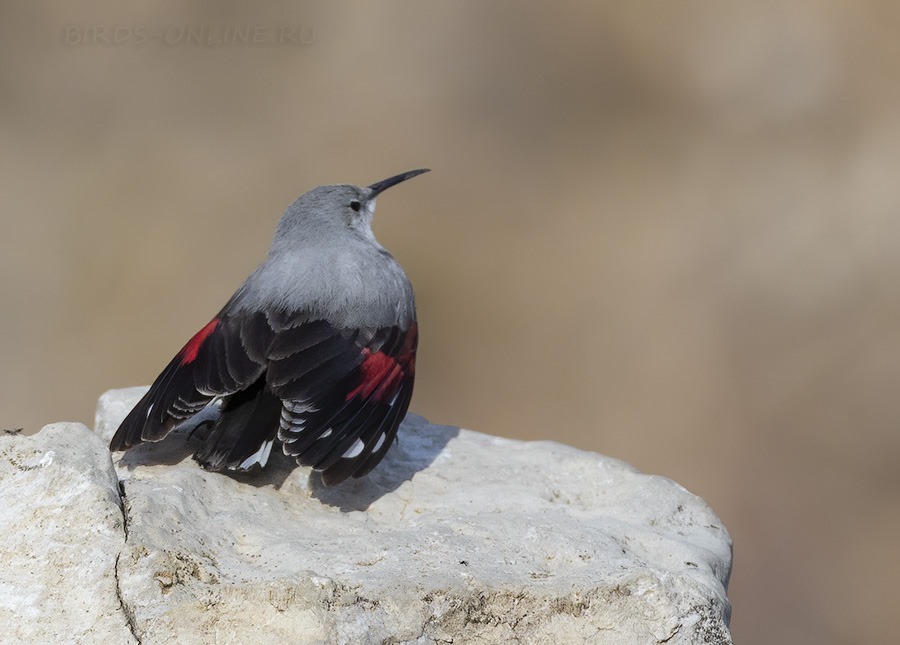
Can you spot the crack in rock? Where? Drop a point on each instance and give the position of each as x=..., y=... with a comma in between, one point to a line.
x=126, y=610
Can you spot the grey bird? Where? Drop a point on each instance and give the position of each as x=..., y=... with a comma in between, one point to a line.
x=317, y=350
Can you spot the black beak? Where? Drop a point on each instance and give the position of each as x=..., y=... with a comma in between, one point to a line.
x=384, y=184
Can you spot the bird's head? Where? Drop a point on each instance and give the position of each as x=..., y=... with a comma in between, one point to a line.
x=328, y=212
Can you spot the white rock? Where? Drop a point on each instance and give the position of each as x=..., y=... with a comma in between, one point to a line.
x=62, y=530
x=456, y=537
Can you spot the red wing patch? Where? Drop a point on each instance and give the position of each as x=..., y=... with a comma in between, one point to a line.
x=382, y=374
x=379, y=373
x=189, y=353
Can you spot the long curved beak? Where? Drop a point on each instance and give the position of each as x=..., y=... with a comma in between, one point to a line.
x=384, y=184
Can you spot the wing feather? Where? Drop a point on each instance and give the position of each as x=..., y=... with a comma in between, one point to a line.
x=211, y=364
x=334, y=396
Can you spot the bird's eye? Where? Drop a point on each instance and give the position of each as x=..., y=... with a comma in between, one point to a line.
x=355, y=205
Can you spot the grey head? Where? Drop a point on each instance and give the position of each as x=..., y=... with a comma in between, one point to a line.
x=325, y=261
x=329, y=215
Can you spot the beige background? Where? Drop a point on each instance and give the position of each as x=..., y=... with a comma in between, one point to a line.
x=663, y=231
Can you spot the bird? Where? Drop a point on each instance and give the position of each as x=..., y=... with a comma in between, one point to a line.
x=316, y=350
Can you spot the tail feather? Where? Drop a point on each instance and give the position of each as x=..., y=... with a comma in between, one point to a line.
x=246, y=428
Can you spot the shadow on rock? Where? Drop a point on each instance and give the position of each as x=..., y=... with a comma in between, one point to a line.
x=172, y=450
x=418, y=444
x=181, y=443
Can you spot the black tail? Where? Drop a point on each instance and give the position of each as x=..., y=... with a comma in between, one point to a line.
x=249, y=420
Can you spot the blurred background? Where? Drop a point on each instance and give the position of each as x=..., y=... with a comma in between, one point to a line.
x=667, y=232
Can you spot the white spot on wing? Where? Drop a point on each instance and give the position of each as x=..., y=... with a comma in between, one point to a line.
x=379, y=443
x=355, y=450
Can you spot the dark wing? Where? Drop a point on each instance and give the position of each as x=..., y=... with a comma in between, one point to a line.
x=226, y=356
x=245, y=431
x=345, y=392
x=341, y=393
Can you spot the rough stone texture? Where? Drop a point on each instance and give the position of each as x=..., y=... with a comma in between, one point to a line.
x=62, y=530
x=456, y=537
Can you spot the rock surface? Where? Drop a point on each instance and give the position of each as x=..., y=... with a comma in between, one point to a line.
x=62, y=528
x=456, y=537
